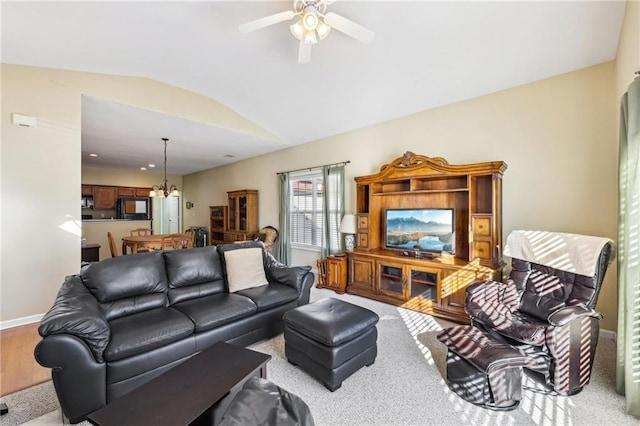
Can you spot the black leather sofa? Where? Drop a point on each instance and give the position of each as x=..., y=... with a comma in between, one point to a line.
x=123, y=321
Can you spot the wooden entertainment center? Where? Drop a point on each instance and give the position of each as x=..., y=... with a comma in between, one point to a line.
x=433, y=284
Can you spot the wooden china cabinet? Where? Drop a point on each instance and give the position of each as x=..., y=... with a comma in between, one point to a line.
x=433, y=284
x=217, y=223
x=242, y=218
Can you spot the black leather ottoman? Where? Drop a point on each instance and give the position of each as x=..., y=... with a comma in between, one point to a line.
x=483, y=370
x=331, y=339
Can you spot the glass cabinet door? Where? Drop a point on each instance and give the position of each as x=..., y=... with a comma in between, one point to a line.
x=391, y=281
x=423, y=287
x=232, y=214
x=242, y=213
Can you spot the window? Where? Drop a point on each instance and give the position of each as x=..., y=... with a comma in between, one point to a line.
x=306, y=212
x=307, y=196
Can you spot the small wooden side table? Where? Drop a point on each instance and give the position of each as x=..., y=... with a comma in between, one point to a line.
x=332, y=273
x=91, y=253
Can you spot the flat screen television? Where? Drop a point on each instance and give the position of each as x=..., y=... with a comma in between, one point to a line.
x=428, y=229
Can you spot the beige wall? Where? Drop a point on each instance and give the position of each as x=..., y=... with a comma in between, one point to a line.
x=41, y=171
x=556, y=136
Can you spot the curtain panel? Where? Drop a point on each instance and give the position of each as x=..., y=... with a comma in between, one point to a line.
x=284, y=246
x=332, y=209
x=628, y=334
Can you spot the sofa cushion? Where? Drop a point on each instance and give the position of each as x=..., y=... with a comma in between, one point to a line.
x=194, y=273
x=245, y=269
x=269, y=296
x=144, y=331
x=127, y=284
x=213, y=311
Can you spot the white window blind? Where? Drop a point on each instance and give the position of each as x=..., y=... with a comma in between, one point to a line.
x=307, y=195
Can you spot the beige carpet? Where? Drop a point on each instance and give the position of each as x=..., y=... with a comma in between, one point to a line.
x=406, y=385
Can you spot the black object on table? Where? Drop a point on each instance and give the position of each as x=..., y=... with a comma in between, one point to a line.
x=194, y=392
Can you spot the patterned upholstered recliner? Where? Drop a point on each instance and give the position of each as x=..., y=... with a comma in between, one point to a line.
x=545, y=311
x=546, y=308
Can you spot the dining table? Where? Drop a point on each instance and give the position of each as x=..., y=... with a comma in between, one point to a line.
x=136, y=242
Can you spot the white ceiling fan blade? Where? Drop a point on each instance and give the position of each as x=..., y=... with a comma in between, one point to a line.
x=348, y=27
x=304, y=54
x=266, y=21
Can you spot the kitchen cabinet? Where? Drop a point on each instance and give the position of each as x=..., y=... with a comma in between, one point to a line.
x=105, y=197
x=87, y=190
x=127, y=192
x=133, y=192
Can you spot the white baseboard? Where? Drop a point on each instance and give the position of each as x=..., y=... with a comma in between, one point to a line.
x=20, y=321
x=608, y=334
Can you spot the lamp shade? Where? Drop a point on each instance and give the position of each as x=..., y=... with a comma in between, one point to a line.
x=348, y=224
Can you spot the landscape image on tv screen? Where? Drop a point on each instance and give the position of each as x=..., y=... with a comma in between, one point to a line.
x=429, y=230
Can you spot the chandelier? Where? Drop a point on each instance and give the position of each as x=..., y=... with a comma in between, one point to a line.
x=164, y=190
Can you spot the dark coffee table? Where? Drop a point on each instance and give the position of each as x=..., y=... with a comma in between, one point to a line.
x=194, y=392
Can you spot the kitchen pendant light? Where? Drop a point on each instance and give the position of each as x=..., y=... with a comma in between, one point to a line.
x=163, y=190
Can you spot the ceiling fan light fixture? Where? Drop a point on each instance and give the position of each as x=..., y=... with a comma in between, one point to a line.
x=310, y=18
x=323, y=30
x=297, y=29
x=310, y=37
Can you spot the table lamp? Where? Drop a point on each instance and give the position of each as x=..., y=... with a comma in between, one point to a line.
x=348, y=227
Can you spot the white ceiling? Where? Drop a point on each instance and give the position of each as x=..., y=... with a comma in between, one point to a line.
x=425, y=54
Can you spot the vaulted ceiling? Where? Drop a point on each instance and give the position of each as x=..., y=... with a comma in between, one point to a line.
x=425, y=54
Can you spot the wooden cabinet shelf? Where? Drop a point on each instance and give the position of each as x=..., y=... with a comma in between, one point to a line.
x=434, y=285
x=424, y=191
x=217, y=224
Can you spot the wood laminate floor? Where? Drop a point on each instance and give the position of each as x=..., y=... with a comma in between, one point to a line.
x=18, y=367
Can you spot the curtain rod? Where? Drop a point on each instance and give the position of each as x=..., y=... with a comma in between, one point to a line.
x=342, y=163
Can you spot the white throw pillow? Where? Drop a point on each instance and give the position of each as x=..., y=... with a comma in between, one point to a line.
x=244, y=269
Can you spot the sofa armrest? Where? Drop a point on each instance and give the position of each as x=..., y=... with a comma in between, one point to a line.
x=80, y=381
x=292, y=276
x=569, y=313
x=76, y=312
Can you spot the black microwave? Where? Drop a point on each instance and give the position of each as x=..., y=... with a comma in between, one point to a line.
x=134, y=208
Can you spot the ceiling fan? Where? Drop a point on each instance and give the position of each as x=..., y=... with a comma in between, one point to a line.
x=313, y=23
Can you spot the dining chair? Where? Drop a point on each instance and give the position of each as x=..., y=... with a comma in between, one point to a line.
x=141, y=231
x=191, y=235
x=175, y=242
x=112, y=245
